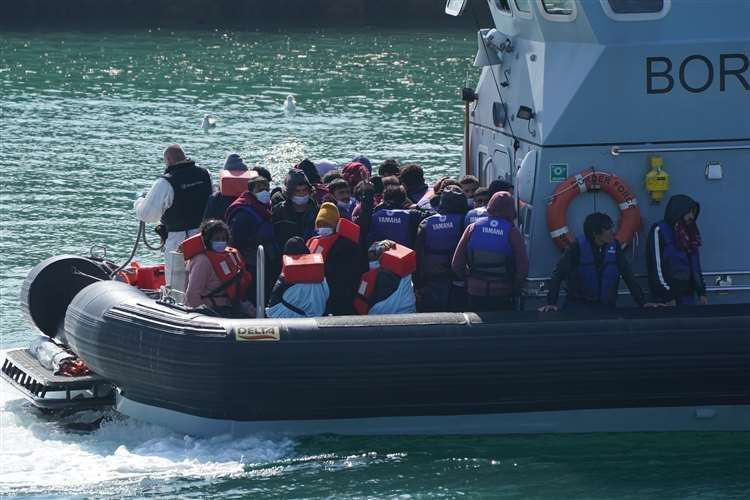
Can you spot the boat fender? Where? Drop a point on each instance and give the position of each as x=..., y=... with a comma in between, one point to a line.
x=307, y=268
x=592, y=180
x=234, y=182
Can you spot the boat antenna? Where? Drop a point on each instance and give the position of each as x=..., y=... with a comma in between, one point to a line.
x=516, y=143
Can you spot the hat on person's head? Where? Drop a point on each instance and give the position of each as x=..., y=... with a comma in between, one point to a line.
x=325, y=166
x=354, y=172
x=295, y=178
x=329, y=214
x=234, y=162
x=295, y=246
x=311, y=172
x=364, y=161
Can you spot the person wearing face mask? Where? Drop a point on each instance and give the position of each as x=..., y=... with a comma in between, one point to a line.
x=469, y=184
x=217, y=276
x=249, y=219
x=341, y=195
x=673, y=255
x=338, y=242
x=295, y=216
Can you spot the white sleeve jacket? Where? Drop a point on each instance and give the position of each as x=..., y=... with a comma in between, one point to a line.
x=159, y=198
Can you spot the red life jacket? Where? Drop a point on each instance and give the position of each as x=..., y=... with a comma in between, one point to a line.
x=323, y=244
x=400, y=261
x=228, y=266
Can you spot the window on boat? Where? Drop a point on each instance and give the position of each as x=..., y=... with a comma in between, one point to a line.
x=636, y=6
x=636, y=10
x=559, y=7
x=524, y=6
x=503, y=6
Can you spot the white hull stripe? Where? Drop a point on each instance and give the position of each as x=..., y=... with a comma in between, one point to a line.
x=559, y=232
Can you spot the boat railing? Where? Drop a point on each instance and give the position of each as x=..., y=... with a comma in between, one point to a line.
x=260, y=282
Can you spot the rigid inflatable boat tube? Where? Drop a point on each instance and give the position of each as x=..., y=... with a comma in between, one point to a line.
x=263, y=370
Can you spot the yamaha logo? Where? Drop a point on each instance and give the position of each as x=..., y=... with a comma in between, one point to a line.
x=493, y=223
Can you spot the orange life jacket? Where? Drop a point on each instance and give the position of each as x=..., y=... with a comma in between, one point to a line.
x=323, y=244
x=400, y=261
x=228, y=265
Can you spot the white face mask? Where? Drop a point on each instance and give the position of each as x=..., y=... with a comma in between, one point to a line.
x=301, y=200
x=343, y=204
x=325, y=231
x=218, y=246
x=263, y=196
x=374, y=264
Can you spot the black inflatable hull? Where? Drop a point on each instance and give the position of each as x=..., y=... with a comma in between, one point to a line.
x=412, y=366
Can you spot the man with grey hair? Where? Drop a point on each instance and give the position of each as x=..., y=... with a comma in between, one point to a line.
x=177, y=199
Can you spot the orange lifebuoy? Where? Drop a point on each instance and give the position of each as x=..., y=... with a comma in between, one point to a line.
x=592, y=180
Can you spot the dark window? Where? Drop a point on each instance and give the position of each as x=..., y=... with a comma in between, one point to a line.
x=636, y=6
x=503, y=5
x=523, y=5
x=558, y=7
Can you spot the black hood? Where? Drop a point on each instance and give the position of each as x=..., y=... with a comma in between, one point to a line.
x=679, y=205
x=453, y=202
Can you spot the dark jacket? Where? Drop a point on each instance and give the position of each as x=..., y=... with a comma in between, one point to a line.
x=192, y=187
x=287, y=222
x=217, y=206
x=343, y=269
x=250, y=225
x=672, y=272
x=503, y=207
x=566, y=271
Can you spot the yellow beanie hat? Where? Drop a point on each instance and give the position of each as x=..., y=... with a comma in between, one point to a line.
x=329, y=214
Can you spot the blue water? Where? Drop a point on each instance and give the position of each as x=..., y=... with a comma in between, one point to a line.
x=85, y=117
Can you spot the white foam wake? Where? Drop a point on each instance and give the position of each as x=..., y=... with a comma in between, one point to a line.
x=122, y=457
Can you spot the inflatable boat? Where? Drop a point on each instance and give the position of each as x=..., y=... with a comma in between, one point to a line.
x=448, y=373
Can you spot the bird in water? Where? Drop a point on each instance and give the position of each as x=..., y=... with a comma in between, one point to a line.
x=208, y=123
x=290, y=105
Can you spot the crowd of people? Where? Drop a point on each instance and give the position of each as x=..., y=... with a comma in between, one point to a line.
x=343, y=240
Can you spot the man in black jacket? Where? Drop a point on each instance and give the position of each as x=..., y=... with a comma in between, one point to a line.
x=591, y=266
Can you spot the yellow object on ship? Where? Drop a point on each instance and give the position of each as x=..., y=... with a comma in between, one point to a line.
x=657, y=179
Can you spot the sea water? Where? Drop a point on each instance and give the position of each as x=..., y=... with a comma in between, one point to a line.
x=85, y=117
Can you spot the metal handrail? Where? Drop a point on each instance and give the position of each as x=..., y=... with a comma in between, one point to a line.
x=260, y=283
x=617, y=150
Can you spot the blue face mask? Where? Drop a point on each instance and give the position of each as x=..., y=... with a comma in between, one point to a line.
x=218, y=246
x=263, y=196
x=325, y=231
x=301, y=200
x=344, y=204
x=374, y=264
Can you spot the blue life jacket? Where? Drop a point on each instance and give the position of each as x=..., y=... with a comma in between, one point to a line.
x=392, y=225
x=442, y=233
x=474, y=214
x=490, y=253
x=595, y=286
x=678, y=266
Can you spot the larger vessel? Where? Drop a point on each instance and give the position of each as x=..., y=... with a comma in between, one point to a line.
x=600, y=98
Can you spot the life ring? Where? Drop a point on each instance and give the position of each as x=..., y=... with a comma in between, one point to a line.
x=592, y=180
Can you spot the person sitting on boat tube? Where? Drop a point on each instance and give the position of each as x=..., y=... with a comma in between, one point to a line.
x=591, y=266
x=437, y=238
x=338, y=243
x=491, y=256
x=216, y=272
x=387, y=287
x=673, y=258
x=301, y=290
x=177, y=199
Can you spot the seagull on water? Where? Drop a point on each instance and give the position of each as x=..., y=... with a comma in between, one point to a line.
x=208, y=122
x=290, y=105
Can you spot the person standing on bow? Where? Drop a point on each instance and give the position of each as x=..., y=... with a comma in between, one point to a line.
x=491, y=255
x=177, y=199
x=673, y=256
x=591, y=267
